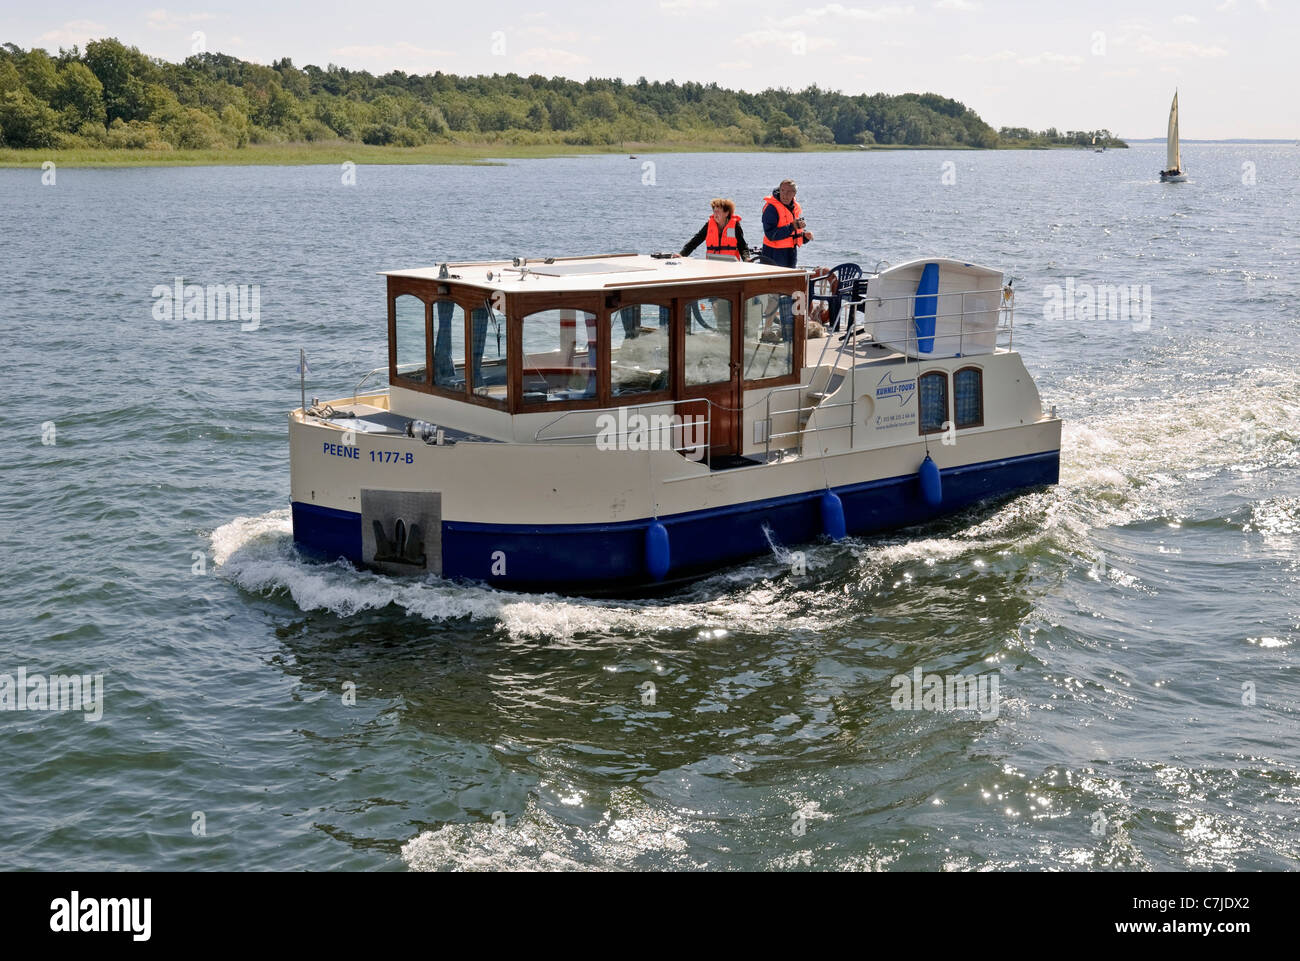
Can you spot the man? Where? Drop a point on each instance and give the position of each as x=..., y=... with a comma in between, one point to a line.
x=721, y=234
x=783, y=226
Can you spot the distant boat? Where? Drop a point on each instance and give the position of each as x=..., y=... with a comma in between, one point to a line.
x=1095, y=148
x=1174, y=174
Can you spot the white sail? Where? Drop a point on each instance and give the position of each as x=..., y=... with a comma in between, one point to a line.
x=1174, y=160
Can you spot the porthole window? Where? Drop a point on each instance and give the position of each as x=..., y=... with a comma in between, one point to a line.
x=933, y=388
x=968, y=397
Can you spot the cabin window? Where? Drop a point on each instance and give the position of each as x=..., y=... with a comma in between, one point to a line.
x=769, y=336
x=489, y=339
x=449, y=345
x=638, y=349
x=708, y=340
x=933, y=388
x=968, y=397
x=409, y=333
x=559, y=360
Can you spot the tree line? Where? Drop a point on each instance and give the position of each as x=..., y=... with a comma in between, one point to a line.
x=111, y=95
x=1051, y=137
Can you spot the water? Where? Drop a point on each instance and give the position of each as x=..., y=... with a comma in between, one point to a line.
x=1127, y=613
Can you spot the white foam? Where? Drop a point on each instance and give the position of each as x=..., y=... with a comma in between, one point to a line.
x=629, y=834
x=257, y=553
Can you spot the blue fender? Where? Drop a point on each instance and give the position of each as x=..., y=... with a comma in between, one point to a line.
x=931, y=482
x=657, y=556
x=833, y=515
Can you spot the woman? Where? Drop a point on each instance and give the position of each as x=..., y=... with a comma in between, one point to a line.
x=721, y=234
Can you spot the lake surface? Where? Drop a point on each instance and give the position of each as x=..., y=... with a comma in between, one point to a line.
x=1142, y=618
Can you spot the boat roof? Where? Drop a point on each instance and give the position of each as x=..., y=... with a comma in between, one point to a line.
x=593, y=272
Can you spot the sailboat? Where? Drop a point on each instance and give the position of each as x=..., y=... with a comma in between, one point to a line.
x=1173, y=175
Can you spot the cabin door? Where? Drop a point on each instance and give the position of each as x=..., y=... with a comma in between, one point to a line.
x=708, y=347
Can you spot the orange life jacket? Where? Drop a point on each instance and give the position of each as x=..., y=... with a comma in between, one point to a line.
x=784, y=218
x=724, y=241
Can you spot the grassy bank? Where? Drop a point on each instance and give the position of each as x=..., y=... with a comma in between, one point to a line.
x=337, y=152
x=276, y=155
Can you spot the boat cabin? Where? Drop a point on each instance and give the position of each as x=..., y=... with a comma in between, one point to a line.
x=482, y=345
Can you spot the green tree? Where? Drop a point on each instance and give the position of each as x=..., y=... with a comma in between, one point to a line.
x=80, y=93
x=26, y=121
x=39, y=75
x=789, y=136
x=124, y=72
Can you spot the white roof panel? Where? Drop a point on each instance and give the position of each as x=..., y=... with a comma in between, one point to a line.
x=599, y=272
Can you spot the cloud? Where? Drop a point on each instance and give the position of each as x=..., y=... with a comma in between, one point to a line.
x=1065, y=61
x=769, y=36
x=163, y=20
x=1186, y=18
x=965, y=6
x=74, y=33
x=1176, y=49
x=999, y=57
x=885, y=14
x=570, y=37
x=687, y=6
x=550, y=58
x=389, y=56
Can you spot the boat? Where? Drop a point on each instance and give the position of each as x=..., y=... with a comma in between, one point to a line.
x=1173, y=156
x=1095, y=148
x=619, y=424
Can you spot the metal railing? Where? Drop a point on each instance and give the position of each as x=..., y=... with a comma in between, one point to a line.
x=413, y=365
x=1004, y=324
x=653, y=429
x=802, y=430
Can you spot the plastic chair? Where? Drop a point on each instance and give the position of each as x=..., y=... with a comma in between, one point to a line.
x=845, y=275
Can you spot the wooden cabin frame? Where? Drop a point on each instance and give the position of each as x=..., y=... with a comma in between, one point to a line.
x=603, y=304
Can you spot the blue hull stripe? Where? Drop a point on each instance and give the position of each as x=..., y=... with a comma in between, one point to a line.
x=611, y=556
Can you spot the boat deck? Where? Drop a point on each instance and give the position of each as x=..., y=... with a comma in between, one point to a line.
x=369, y=419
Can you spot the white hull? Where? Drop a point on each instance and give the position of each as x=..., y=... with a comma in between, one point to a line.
x=533, y=500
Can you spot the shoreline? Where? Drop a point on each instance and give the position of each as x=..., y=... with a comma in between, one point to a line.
x=335, y=153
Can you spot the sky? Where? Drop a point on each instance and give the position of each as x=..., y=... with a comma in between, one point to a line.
x=1080, y=65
